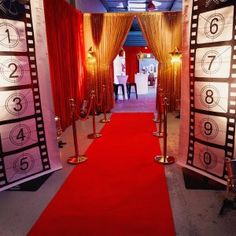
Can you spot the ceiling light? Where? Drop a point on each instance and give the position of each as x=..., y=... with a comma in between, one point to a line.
x=151, y=6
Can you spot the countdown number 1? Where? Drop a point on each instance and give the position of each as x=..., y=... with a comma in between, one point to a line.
x=8, y=35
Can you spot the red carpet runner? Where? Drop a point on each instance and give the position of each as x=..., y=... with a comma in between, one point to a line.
x=119, y=191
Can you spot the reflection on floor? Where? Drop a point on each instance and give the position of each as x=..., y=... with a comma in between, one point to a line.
x=195, y=211
x=144, y=103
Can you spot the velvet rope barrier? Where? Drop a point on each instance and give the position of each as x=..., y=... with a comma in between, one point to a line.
x=76, y=159
x=164, y=159
x=84, y=116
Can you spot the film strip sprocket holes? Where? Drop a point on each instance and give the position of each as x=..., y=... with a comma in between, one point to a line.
x=24, y=129
x=212, y=86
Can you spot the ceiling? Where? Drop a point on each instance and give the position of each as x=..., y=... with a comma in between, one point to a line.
x=142, y=5
x=135, y=36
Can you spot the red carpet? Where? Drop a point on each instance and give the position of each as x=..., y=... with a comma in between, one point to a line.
x=119, y=191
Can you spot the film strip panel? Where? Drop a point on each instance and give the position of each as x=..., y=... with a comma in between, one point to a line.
x=23, y=148
x=212, y=86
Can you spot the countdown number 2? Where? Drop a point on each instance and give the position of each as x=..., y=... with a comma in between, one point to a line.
x=13, y=68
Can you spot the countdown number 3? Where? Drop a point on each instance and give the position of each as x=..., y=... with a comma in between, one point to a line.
x=16, y=104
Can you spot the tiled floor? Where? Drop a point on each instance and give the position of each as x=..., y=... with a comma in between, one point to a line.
x=195, y=212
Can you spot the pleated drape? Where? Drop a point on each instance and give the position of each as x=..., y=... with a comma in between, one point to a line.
x=104, y=34
x=163, y=33
x=64, y=26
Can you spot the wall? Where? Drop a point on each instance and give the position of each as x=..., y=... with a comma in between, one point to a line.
x=86, y=6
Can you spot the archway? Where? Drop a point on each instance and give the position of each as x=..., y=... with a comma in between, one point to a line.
x=162, y=32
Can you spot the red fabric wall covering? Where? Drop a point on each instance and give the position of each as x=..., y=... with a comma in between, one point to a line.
x=131, y=60
x=64, y=25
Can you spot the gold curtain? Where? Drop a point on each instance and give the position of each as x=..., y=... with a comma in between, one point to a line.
x=104, y=35
x=163, y=33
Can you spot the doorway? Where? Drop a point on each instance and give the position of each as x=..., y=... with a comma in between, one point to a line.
x=137, y=64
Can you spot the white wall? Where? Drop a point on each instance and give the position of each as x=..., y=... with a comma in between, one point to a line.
x=90, y=6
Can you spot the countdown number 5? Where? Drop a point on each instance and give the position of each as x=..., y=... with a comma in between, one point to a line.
x=24, y=164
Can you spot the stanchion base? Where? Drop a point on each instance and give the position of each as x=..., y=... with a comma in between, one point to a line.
x=93, y=136
x=177, y=116
x=158, y=134
x=156, y=120
x=76, y=160
x=164, y=160
x=105, y=120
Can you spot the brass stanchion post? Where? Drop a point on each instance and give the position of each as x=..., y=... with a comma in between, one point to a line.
x=159, y=92
x=94, y=134
x=159, y=133
x=77, y=158
x=164, y=159
x=105, y=119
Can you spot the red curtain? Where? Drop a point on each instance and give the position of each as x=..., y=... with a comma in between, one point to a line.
x=131, y=60
x=64, y=25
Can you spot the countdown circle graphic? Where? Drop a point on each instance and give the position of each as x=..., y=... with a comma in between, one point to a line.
x=207, y=158
x=208, y=128
x=9, y=36
x=11, y=70
x=211, y=62
x=214, y=25
x=23, y=164
x=20, y=134
x=209, y=96
x=16, y=104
